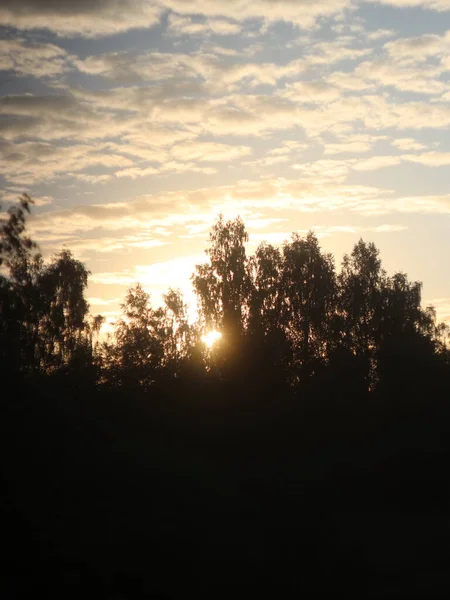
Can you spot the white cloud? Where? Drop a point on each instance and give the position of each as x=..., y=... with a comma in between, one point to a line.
x=324, y=169
x=310, y=193
x=428, y=159
x=85, y=246
x=217, y=70
x=300, y=12
x=411, y=78
x=103, y=302
x=311, y=91
x=180, y=25
x=267, y=161
x=36, y=59
x=389, y=228
x=134, y=172
x=11, y=194
x=351, y=147
x=376, y=162
x=41, y=161
x=379, y=34
x=130, y=66
x=419, y=48
x=407, y=144
x=439, y=205
x=438, y=5
x=85, y=18
x=209, y=151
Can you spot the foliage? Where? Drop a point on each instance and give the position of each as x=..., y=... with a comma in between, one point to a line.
x=222, y=284
x=304, y=453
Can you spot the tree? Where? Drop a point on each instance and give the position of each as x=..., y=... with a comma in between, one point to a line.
x=266, y=297
x=309, y=301
x=13, y=243
x=222, y=285
x=410, y=344
x=135, y=355
x=269, y=349
x=18, y=297
x=63, y=325
x=177, y=335
x=362, y=282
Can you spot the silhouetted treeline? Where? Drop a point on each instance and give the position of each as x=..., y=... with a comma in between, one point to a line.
x=305, y=451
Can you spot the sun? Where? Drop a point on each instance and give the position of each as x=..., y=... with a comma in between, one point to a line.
x=210, y=338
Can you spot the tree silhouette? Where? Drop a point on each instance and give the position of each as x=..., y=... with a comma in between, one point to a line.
x=361, y=285
x=17, y=291
x=270, y=347
x=303, y=439
x=309, y=288
x=222, y=285
x=13, y=243
x=63, y=326
x=136, y=356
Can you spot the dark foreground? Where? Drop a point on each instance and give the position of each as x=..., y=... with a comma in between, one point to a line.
x=114, y=497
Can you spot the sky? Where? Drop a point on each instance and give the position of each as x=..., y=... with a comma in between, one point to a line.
x=134, y=123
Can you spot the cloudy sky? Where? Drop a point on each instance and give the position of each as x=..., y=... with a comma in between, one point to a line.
x=134, y=123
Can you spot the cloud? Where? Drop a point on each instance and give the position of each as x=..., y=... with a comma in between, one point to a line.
x=267, y=161
x=301, y=12
x=129, y=66
x=10, y=195
x=85, y=246
x=102, y=302
x=351, y=147
x=438, y=5
x=334, y=51
x=385, y=72
x=80, y=18
x=407, y=144
x=51, y=117
x=419, y=48
x=157, y=277
x=158, y=128
x=388, y=228
x=143, y=143
x=324, y=170
x=42, y=161
x=216, y=70
x=134, y=172
x=311, y=91
x=36, y=59
x=428, y=159
x=379, y=34
x=376, y=162
x=179, y=25
x=209, y=151
x=93, y=18
x=151, y=213
x=169, y=167
x=187, y=95
x=321, y=231
x=439, y=205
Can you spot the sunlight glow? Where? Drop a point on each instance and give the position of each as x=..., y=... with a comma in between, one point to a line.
x=210, y=338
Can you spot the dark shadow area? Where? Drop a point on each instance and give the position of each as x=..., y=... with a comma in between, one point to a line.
x=305, y=452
